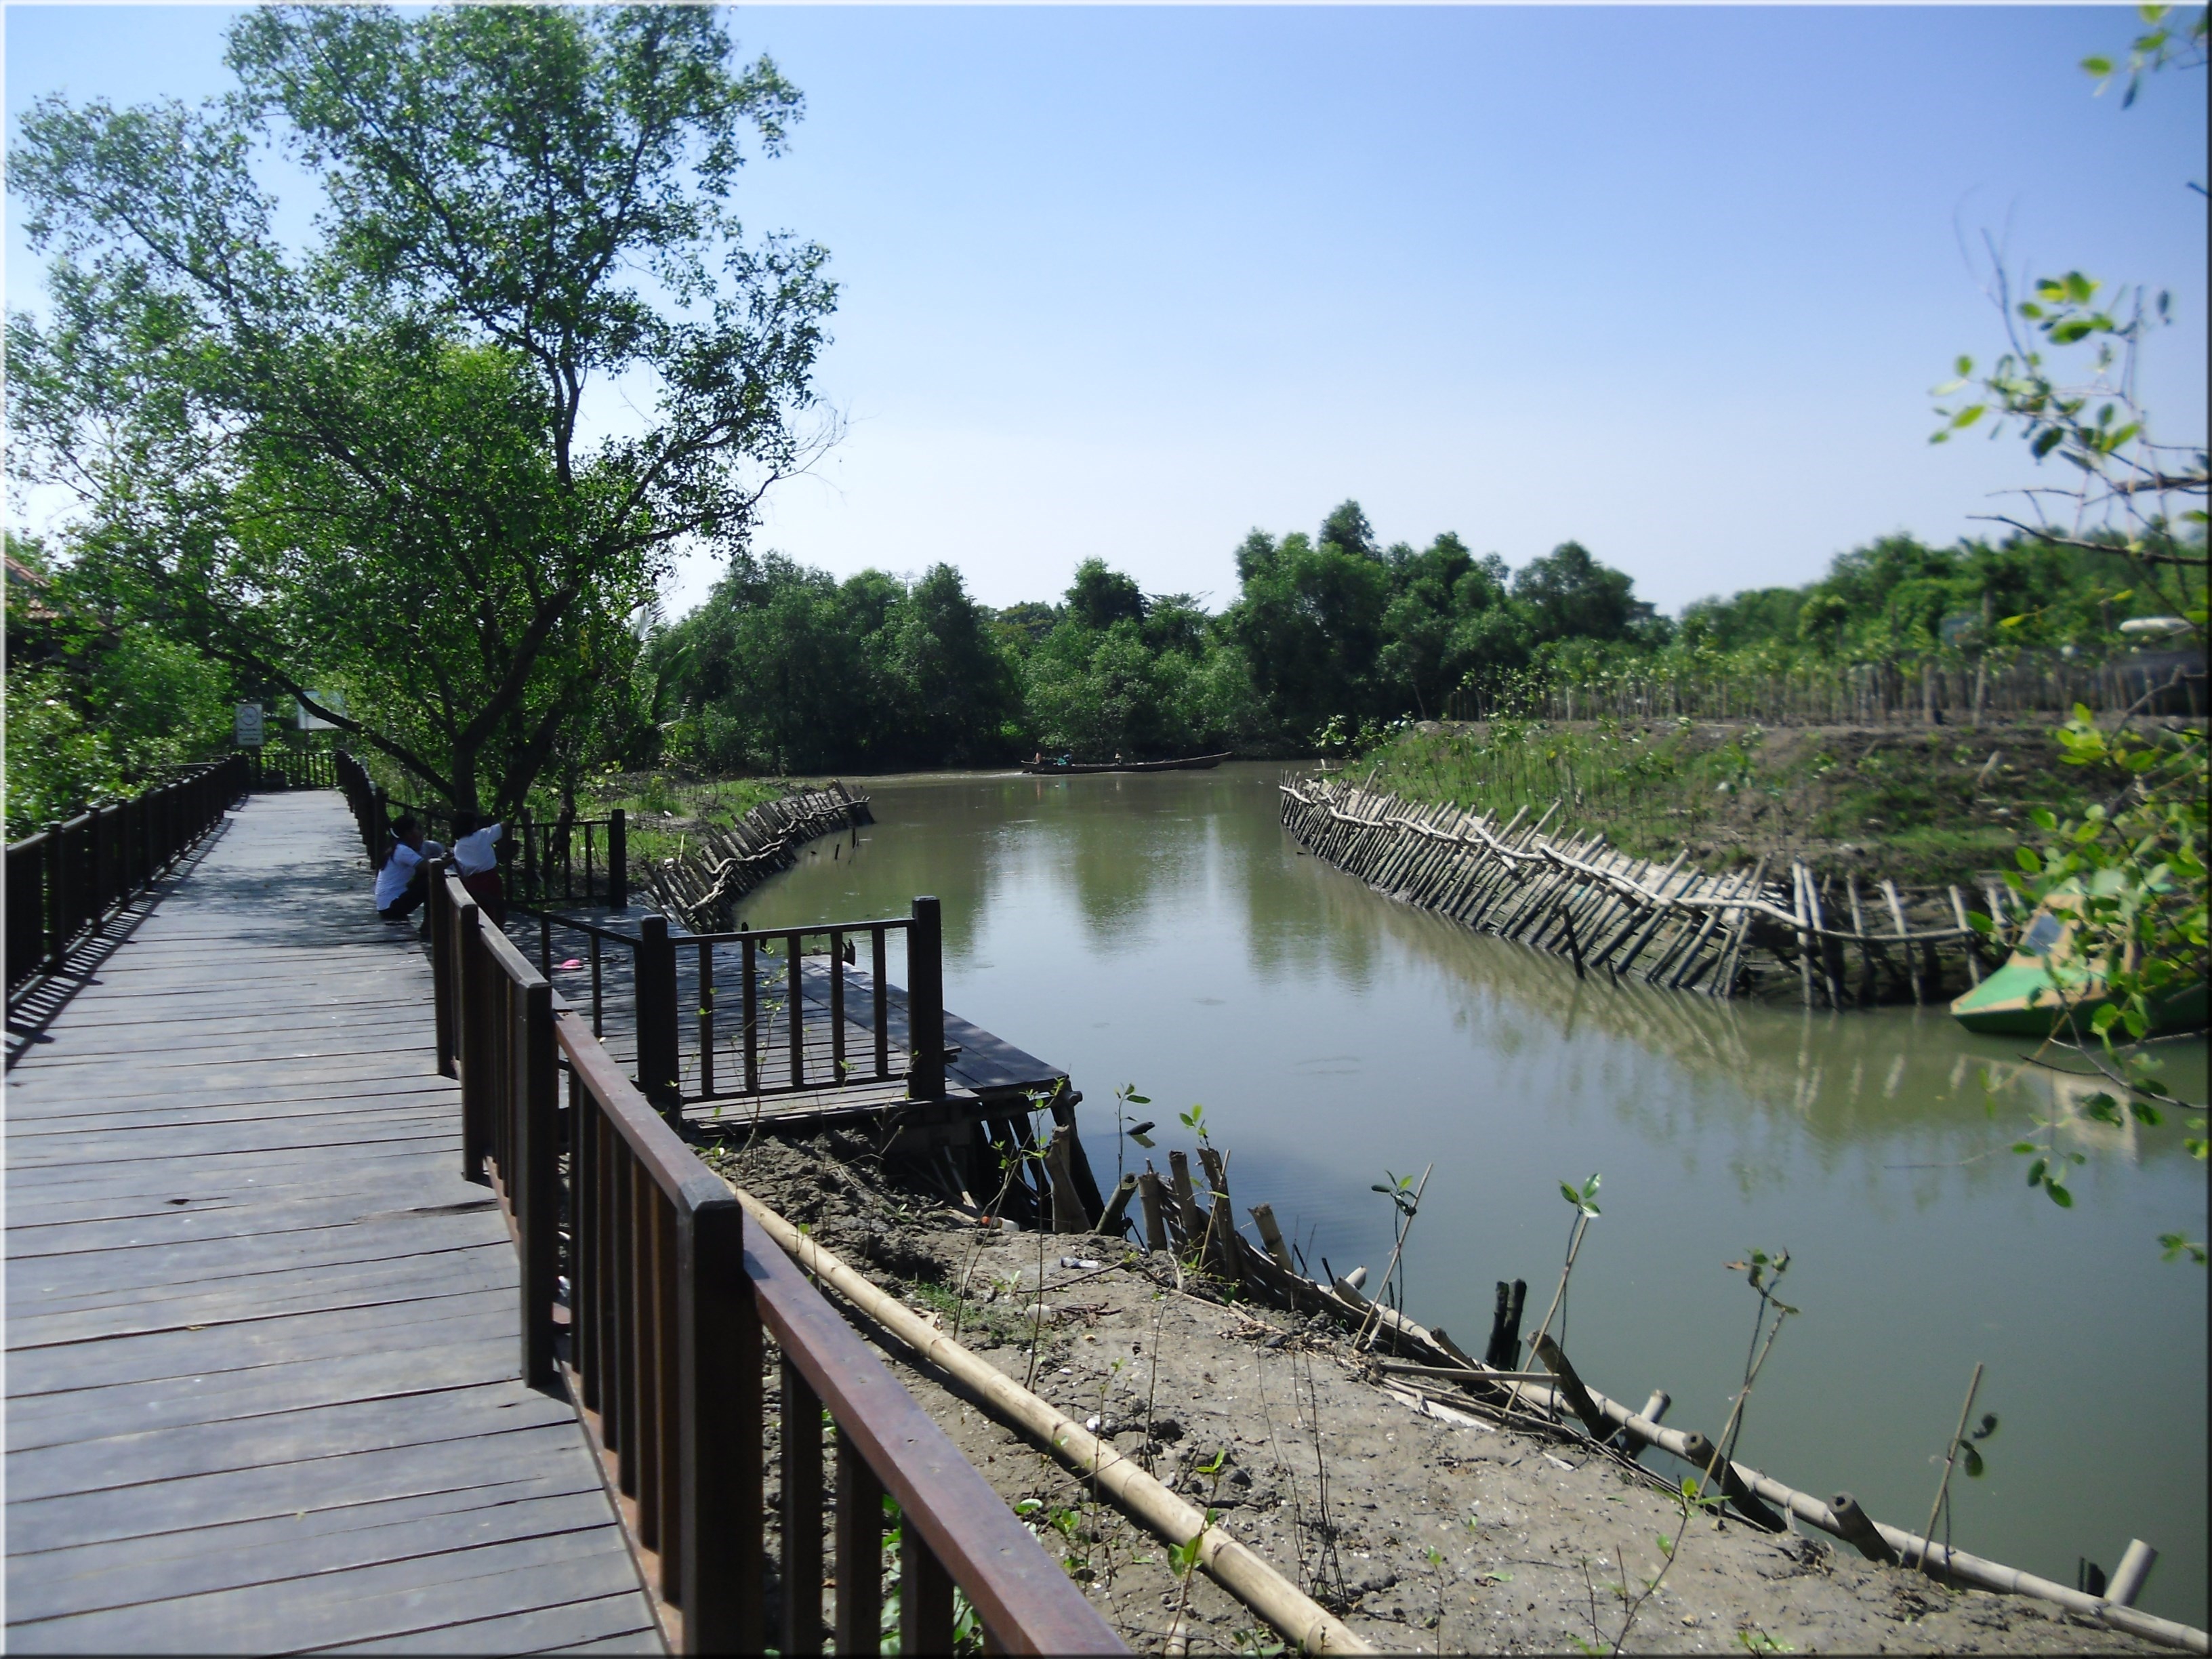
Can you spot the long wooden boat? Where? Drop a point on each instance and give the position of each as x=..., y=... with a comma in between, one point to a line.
x=1062, y=769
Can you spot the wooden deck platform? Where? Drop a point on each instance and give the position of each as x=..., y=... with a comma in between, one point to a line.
x=986, y=1077
x=262, y=1368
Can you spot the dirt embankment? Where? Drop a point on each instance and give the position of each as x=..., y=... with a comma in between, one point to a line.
x=1920, y=805
x=1425, y=1530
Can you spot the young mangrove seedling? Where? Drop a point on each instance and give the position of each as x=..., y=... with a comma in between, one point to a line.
x=1962, y=1449
x=1405, y=1195
x=1125, y=1097
x=1758, y=1266
x=1584, y=1200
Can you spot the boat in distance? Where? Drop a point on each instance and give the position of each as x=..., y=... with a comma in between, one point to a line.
x=1063, y=769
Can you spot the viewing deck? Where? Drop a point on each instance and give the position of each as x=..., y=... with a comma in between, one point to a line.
x=263, y=1386
x=986, y=1077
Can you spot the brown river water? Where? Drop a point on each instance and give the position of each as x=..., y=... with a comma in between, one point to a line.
x=1162, y=930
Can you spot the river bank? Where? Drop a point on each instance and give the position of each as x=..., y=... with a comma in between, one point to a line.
x=1425, y=1530
x=1164, y=930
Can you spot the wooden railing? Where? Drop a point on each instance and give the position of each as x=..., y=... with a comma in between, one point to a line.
x=658, y=1006
x=671, y=1294
x=584, y=861
x=282, y=767
x=70, y=876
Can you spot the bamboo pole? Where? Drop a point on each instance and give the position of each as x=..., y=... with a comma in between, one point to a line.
x=1293, y=1614
x=1958, y=1565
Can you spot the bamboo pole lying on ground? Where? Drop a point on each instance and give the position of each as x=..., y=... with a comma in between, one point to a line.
x=1293, y=1614
x=1940, y=1561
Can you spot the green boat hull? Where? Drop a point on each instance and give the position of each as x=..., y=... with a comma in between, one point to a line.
x=2020, y=1000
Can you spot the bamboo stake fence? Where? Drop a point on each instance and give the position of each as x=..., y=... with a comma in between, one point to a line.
x=1734, y=933
x=701, y=887
x=1966, y=690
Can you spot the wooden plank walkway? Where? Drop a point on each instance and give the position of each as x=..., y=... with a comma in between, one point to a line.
x=263, y=1386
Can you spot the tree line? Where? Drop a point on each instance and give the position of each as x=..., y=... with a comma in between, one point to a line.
x=784, y=667
x=350, y=472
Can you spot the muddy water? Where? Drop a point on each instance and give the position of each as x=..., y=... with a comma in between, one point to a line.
x=1163, y=931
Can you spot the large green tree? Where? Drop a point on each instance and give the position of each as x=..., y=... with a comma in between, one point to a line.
x=369, y=461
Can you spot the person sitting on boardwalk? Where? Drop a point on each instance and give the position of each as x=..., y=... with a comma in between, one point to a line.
x=403, y=881
x=479, y=865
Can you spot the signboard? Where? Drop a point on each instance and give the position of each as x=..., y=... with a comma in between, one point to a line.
x=312, y=722
x=246, y=726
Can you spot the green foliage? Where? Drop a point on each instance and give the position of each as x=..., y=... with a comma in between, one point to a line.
x=97, y=710
x=1401, y=1192
x=2162, y=44
x=360, y=464
x=2130, y=870
x=786, y=668
x=2067, y=383
x=1939, y=804
x=1584, y=1198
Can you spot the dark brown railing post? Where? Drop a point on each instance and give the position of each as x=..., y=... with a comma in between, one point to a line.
x=719, y=1406
x=538, y=1195
x=925, y=1596
x=658, y=1068
x=925, y=1002
x=62, y=891
x=473, y=1018
x=618, y=860
x=27, y=863
x=860, y=1551
x=442, y=968
x=802, y=1513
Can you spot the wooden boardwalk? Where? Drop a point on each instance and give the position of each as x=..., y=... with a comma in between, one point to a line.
x=262, y=1367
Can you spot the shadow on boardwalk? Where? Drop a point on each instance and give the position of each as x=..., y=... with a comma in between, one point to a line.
x=262, y=1361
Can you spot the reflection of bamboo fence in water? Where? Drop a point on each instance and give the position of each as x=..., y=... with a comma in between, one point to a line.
x=1570, y=894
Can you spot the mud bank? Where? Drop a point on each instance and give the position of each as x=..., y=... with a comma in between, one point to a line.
x=1425, y=1529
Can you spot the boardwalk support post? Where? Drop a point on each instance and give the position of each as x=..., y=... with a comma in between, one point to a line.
x=536, y=1084
x=659, y=1074
x=472, y=992
x=443, y=1010
x=925, y=1001
x=618, y=860
x=718, y=1412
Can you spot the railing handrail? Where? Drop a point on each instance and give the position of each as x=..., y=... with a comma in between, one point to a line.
x=668, y=1305
x=660, y=1027
x=66, y=880
x=746, y=936
x=1013, y=1584
x=768, y=935
x=675, y=1168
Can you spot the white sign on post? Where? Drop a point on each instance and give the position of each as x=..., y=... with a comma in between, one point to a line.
x=329, y=700
x=246, y=726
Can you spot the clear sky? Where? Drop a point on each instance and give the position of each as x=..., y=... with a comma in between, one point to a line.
x=1130, y=281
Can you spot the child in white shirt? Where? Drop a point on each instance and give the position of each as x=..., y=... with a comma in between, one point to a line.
x=479, y=865
x=404, y=881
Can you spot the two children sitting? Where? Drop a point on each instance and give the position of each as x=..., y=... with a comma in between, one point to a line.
x=403, y=881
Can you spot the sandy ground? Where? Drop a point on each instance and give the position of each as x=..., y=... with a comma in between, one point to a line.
x=1426, y=1531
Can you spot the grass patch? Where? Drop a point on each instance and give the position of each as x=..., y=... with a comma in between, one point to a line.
x=1922, y=806
x=667, y=813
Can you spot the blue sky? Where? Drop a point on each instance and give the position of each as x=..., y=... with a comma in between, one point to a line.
x=1129, y=282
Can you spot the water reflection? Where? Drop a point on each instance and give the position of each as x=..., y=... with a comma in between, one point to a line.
x=1163, y=929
